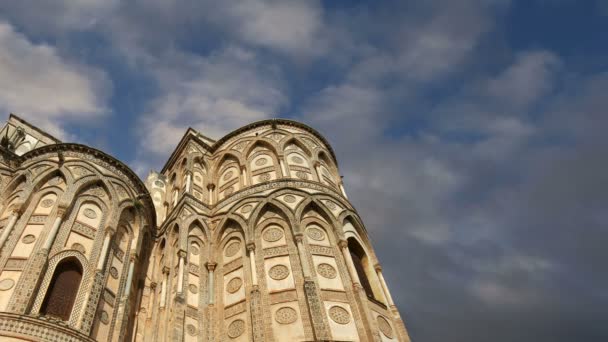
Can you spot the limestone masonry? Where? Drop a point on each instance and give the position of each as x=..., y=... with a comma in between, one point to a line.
x=248, y=238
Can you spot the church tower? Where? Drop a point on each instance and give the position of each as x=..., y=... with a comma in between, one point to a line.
x=247, y=238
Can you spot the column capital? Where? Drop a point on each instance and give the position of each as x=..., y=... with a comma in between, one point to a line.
x=343, y=243
x=16, y=210
x=317, y=164
x=299, y=236
x=211, y=266
x=377, y=267
x=250, y=246
x=109, y=230
x=153, y=285
x=188, y=173
x=62, y=210
x=210, y=186
x=165, y=270
x=182, y=253
x=133, y=258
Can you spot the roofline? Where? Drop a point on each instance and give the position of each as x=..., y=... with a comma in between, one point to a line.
x=139, y=184
x=12, y=115
x=242, y=129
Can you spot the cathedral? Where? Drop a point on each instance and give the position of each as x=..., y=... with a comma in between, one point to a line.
x=247, y=238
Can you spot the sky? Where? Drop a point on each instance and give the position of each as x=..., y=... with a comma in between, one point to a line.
x=470, y=133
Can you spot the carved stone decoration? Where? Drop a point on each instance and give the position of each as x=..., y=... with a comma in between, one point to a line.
x=278, y=272
x=47, y=203
x=385, y=327
x=290, y=198
x=191, y=330
x=159, y=184
x=114, y=272
x=104, y=317
x=331, y=205
x=302, y=175
x=28, y=239
x=6, y=284
x=246, y=208
x=234, y=285
x=194, y=250
x=193, y=288
x=78, y=247
x=327, y=271
x=90, y=213
x=315, y=234
x=339, y=315
x=264, y=177
x=273, y=234
x=232, y=249
x=229, y=191
x=286, y=315
x=228, y=175
x=297, y=160
x=261, y=162
x=236, y=328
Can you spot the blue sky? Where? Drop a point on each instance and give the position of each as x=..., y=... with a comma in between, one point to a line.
x=471, y=134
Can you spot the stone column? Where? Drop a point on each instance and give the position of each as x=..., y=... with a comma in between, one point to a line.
x=130, y=277
x=163, y=288
x=387, y=294
x=341, y=185
x=254, y=273
x=180, y=276
x=283, y=167
x=303, y=257
x=48, y=243
x=211, y=188
x=210, y=281
x=349, y=262
x=15, y=213
x=244, y=175
x=188, y=181
x=318, y=170
x=104, y=249
x=151, y=300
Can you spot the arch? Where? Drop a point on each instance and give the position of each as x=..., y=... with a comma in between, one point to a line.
x=261, y=142
x=297, y=142
x=364, y=269
x=61, y=294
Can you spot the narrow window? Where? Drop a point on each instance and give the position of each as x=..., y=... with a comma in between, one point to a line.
x=359, y=260
x=62, y=291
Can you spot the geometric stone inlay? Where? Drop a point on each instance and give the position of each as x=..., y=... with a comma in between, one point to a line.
x=193, y=288
x=278, y=272
x=331, y=205
x=6, y=284
x=261, y=162
x=315, y=234
x=286, y=315
x=90, y=213
x=104, y=317
x=232, y=249
x=290, y=198
x=297, y=160
x=114, y=272
x=28, y=239
x=236, y=328
x=327, y=271
x=47, y=203
x=246, y=208
x=234, y=285
x=273, y=234
x=264, y=177
x=385, y=327
x=191, y=329
x=339, y=315
x=302, y=175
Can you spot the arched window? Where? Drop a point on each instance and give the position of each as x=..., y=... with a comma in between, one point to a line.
x=360, y=261
x=62, y=291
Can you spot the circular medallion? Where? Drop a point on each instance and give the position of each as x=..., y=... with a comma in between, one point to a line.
x=232, y=249
x=331, y=205
x=278, y=272
x=47, y=203
x=315, y=234
x=297, y=160
x=264, y=177
x=302, y=175
x=228, y=175
x=193, y=288
x=78, y=247
x=236, y=328
x=6, y=284
x=194, y=250
x=191, y=329
x=234, y=285
x=273, y=234
x=261, y=162
x=197, y=179
x=327, y=271
x=385, y=327
x=90, y=213
x=28, y=239
x=114, y=272
x=246, y=208
x=290, y=198
x=159, y=184
x=228, y=191
x=104, y=317
x=286, y=315
x=339, y=315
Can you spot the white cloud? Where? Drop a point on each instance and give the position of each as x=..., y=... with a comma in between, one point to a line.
x=36, y=81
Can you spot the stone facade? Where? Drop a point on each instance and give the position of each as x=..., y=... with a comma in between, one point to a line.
x=248, y=238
